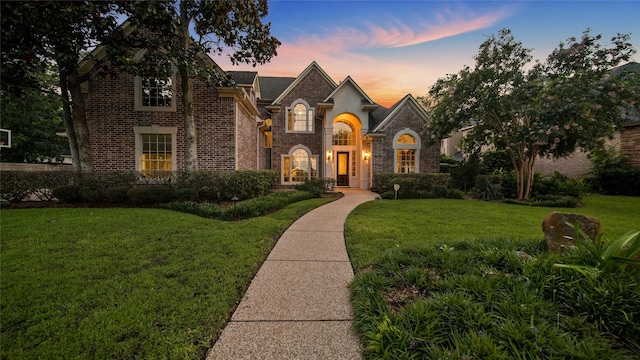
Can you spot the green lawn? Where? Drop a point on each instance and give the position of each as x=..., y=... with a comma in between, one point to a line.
x=376, y=227
x=125, y=283
x=457, y=279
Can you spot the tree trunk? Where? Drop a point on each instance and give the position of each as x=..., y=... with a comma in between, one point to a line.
x=81, y=127
x=191, y=136
x=191, y=143
x=530, y=176
x=68, y=122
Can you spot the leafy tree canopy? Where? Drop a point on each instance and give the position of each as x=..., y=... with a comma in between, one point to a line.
x=34, y=117
x=572, y=100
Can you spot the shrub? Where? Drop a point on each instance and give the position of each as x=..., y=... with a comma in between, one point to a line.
x=315, y=186
x=591, y=257
x=117, y=194
x=15, y=185
x=618, y=181
x=246, y=209
x=205, y=209
x=67, y=193
x=410, y=183
x=215, y=185
x=186, y=194
x=89, y=193
x=488, y=188
x=263, y=205
x=496, y=160
x=159, y=194
x=139, y=195
x=463, y=177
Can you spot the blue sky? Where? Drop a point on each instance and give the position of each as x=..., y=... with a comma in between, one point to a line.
x=391, y=48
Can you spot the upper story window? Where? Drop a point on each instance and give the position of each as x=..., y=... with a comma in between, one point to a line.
x=155, y=93
x=343, y=134
x=300, y=117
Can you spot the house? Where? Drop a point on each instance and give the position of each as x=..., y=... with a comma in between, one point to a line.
x=305, y=127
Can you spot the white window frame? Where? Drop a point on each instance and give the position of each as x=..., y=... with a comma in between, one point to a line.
x=399, y=147
x=138, y=94
x=154, y=129
x=312, y=158
x=310, y=113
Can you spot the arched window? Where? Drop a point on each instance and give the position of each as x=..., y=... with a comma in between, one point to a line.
x=300, y=117
x=299, y=165
x=406, y=145
x=343, y=134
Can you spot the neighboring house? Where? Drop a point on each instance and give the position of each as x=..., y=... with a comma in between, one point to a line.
x=304, y=127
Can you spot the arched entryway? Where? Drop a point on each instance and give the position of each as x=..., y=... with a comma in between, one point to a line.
x=345, y=158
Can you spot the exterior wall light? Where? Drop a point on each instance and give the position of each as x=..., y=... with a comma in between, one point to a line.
x=366, y=155
x=329, y=154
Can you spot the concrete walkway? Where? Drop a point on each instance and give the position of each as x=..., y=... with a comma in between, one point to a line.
x=297, y=306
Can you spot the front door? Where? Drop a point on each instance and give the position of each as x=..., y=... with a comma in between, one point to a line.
x=343, y=169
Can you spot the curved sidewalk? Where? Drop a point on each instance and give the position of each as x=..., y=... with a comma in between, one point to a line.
x=297, y=306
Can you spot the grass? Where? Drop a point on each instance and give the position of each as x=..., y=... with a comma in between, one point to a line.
x=471, y=280
x=126, y=283
x=376, y=227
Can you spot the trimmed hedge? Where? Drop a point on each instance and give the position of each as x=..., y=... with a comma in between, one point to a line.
x=618, y=181
x=224, y=185
x=383, y=182
x=121, y=187
x=246, y=209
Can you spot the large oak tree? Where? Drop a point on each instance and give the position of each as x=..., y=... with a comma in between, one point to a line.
x=572, y=100
x=36, y=34
x=181, y=32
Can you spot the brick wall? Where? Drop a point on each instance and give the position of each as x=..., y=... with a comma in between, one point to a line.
x=313, y=89
x=576, y=165
x=630, y=144
x=34, y=167
x=247, y=130
x=111, y=118
x=383, y=153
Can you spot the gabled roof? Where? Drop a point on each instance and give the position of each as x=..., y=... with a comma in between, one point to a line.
x=100, y=52
x=382, y=117
x=272, y=86
x=299, y=78
x=243, y=78
x=344, y=83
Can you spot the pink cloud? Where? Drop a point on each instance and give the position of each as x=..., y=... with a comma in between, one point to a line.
x=342, y=52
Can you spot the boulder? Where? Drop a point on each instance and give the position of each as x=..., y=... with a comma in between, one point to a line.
x=558, y=235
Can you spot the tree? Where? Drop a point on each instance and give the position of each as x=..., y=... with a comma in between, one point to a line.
x=571, y=101
x=182, y=32
x=37, y=34
x=34, y=117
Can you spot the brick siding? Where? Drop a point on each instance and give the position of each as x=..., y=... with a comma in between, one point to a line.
x=383, y=152
x=111, y=118
x=312, y=89
x=630, y=144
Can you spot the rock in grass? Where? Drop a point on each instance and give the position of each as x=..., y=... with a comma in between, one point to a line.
x=558, y=235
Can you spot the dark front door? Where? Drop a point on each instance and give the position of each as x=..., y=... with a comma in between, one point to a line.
x=343, y=169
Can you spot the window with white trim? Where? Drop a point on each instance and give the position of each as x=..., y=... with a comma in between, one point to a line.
x=406, y=145
x=155, y=93
x=300, y=117
x=155, y=150
x=299, y=165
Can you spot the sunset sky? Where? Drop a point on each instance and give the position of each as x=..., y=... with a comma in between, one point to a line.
x=391, y=48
